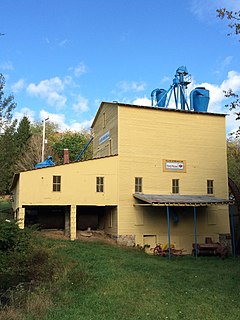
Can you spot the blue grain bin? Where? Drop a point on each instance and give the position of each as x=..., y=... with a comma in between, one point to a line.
x=161, y=96
x=199, y=99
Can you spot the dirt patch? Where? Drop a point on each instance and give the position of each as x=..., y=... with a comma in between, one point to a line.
x=54, y=234
x=91, y=236
x=95, y=235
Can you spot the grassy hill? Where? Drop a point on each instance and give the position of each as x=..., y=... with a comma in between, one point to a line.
x=105, y=282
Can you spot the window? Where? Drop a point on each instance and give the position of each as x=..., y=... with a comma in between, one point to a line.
x=138, y=184
x=209, y=186
x=175, y=185
x=57, y=183
x=104, y=120
x=100, y=184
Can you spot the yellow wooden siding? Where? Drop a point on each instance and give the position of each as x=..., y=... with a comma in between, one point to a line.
x=16, y=195
x=78, y=184
x=110, y=146
x=145, y=139
x=111, y=226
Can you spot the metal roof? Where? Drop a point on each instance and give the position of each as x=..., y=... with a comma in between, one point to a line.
x=179, y=200
x=119, y=104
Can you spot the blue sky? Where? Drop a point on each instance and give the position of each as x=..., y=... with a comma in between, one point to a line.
x=62, y=58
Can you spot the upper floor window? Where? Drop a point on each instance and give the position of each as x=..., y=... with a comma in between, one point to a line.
x=175, y=185
x=104, y=120
x=100, y=184
x=138, y=184
x=56, y=183
x=209, y=186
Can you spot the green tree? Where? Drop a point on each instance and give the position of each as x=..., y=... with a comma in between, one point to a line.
x=233, y=155
x=7, y=158
x=7, y=138
x=234, y=24
x=74, y=142
x=7, y=105
x=23, y=133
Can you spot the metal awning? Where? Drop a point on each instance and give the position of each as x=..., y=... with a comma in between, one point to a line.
x=179, y=200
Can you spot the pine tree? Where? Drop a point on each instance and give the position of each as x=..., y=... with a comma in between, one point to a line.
x=23, y=134
x=7, y=138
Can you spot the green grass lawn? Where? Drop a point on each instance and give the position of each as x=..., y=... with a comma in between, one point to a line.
x=104, y=282
x=5, y=208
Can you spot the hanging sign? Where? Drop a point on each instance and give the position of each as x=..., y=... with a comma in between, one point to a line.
x=174, y=165
x=104, y=137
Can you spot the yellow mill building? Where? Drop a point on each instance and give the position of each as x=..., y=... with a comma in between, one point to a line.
x=157, y=175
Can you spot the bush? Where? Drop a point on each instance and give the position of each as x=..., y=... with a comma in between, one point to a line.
x=12, y=237
x=26, y=264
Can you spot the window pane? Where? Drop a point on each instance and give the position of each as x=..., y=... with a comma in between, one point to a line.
x=100, y=184
x=209, y=186
x=138, y=184
x=56, y=183
x=175, y=186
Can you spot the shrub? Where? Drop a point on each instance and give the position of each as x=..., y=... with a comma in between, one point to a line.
x=12, y=237
x=26, y=264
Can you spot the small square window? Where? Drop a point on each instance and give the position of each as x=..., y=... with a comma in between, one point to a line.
x=100, y=184
x=56, y=183
x=138, y=184
x=209, y=186
x=175, y=185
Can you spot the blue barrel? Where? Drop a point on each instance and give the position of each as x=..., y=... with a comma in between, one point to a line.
x=161, y=96
x=199, y=99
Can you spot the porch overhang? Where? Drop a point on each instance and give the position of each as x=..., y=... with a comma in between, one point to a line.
x=179, y=200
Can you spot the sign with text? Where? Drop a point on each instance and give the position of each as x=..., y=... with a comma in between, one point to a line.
x=104, y=137
x=174, y=165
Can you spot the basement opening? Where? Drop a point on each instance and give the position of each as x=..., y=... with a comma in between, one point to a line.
x=47, y=217
x=91, y=217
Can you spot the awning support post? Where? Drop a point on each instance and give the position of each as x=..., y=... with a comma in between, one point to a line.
x=169, y=237
x=231, y=207
x=195, y=230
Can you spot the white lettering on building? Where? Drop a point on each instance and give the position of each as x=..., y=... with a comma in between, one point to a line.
x=104, y=137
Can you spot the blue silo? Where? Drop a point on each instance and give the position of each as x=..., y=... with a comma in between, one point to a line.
x=161, y=96
x=199, y=99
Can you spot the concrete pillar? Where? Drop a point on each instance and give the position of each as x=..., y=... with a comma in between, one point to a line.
x=21, y=217
x=73, y=222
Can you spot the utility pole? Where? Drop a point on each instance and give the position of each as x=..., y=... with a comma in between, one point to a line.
x=43, y=138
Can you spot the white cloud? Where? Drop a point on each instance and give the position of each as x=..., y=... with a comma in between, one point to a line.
x=6, y=65
x=63, y=42
x=50, y=90
x=232, y=82
x=125, y=86
x=80, y=69
x=57, y=118
x=79, y=126
x=18, y=86
x=60, y=119
x=81, y=105
x=142, y=102
x=24, y=112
